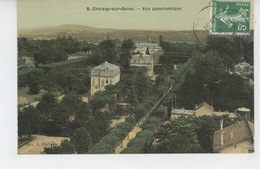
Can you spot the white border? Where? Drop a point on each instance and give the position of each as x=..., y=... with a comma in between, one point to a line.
x=9, y=159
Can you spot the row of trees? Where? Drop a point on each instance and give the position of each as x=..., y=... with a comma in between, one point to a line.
x=143, y=141
x=108, y=143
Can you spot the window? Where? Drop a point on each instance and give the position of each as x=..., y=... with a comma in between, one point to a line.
x=102, y=82
x=106, y=72
x=106, y=81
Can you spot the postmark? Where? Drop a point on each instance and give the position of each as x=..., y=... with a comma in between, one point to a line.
x=230, y=17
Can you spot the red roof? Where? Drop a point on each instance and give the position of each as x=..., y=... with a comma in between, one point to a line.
x=236, y=133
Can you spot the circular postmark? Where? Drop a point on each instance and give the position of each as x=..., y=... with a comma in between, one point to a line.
x=225, y=18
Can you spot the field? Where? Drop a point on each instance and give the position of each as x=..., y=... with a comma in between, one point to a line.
x=96, y=35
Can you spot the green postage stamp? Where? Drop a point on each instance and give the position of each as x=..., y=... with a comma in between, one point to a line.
x=230, y=17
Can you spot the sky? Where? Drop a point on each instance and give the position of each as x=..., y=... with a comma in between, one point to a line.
x=45, y=13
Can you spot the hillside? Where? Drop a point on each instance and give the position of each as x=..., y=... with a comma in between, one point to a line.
x=92, y=34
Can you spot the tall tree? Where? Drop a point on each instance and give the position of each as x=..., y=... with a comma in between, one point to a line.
x=82, y=140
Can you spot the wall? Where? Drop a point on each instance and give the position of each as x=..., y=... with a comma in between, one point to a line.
x=99, y=83
x=203, y=111
x=239, y=148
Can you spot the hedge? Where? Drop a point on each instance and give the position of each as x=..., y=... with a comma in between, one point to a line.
x=107, y=144
x=144, y=138
x=64, y=65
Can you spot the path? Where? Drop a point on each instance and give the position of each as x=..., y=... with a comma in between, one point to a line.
x=115, y=122
x=132, y=134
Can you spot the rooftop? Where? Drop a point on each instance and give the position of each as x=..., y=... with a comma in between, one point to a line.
x=100, y=70
x=141, y=58
x=204, y=104
x=141, y=44
x=236, y=133
x=183, y=112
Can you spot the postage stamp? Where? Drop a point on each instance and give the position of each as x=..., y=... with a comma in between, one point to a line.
x=230, y=17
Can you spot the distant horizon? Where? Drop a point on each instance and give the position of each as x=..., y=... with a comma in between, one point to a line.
x=64, y=25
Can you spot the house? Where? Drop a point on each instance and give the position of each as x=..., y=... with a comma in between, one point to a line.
x=204, y=109
x=141, y=60
x=103, y=75
x=237, y=138
x=142, y=48
x=25, y=62
x=78, y=55
x=176, y=113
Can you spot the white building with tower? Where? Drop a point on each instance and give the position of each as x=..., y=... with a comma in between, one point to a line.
x=143, y=60
x=142, y=47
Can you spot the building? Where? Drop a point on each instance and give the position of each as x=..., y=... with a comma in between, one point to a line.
x=25, y=62
x=78, y=55
x=103, y=75
x=142, y=47
x=141, y=60
x=244, y=112
x=204, y=109
x=176, y=113
x=237, y=138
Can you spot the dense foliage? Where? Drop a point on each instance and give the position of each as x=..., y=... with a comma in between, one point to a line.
x=108, y=143
x=142, y=143
x=205, y=78
x=189, y=135
x=48, y=51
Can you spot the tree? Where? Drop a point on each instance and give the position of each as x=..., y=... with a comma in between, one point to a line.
x=47, y=104
x=177, y=144
x=82, y=140
x=71, y=102
x=126, y=53
x=28, y=121
x=107, y=50
x=147, y=52
x=34, y=80
x=200, y=73
x=66, y=147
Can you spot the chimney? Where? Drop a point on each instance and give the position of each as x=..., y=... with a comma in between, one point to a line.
x=232, y=134
x=221, y=133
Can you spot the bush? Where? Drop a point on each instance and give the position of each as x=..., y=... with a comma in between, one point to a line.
x=130, y=119
x=107, y=143
x=140, y=143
